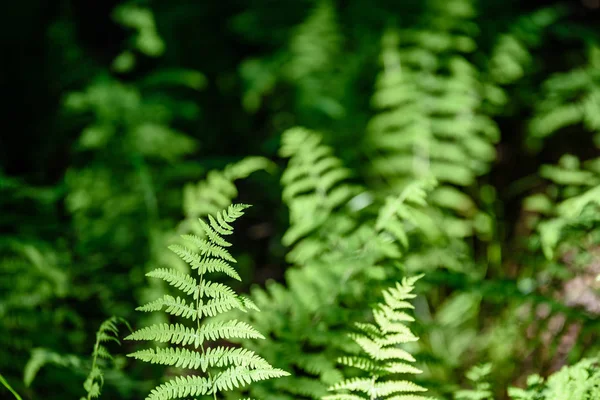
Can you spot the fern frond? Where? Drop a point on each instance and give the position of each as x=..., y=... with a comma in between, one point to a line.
x=569, y=98
x=217, y=290
x=401, y=368
x=216, y=192
x=570, y=203
x=344, y=396
x=378, y=352
x=41, y=357
x=107, y=332
x=409, y=397
x=428, y=117
x=214, y=234
x=390, y=387
x=383, y=360
x=481, y=388
x=400, y=210
x=579, y=381
x=364, y=385
x=313, y=182
x=511, y=57
x=225, y=367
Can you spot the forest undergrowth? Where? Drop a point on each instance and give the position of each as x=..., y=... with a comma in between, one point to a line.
x=316, y=199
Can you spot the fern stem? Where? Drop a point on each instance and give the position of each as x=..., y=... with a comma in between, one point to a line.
x=94, y=359
x=7, y=385
x=198, y=299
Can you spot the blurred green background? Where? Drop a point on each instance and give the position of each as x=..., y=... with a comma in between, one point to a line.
x=112, y=108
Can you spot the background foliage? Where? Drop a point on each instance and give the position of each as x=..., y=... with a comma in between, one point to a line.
x=376, y=140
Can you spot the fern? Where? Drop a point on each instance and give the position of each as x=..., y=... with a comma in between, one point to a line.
x=314, y=186
x=570, y=202
x=429, y=120
x=398, y=211
x=107, y=332
x=309, y=64
x=309, y=52
x=204, y=198
x=511, y=57
x=224, y=368
x=477, y=375
x=578, y=382
x=575, y=185
x=314, y=48
x=217, y=190
x=569, y=98
x=381, y=357
x=350, y=249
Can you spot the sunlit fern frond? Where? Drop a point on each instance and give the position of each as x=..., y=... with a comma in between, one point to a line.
x=219, y=368
x=384, y=364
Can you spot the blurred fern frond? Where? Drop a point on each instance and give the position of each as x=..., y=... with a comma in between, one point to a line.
x=569, y=98
x=429, y=122
x=107, y=332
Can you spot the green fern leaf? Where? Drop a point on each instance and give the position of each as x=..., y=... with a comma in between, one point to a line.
x=204, y=265
x=225, y=368
x=182, y=387
x=174, y=306
x=217, y=306
x=383, y=361
x=229, y=329
x=178, y=279
x=166, y=333
x=208, y=248
x=235, y=377
x=213, y=234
